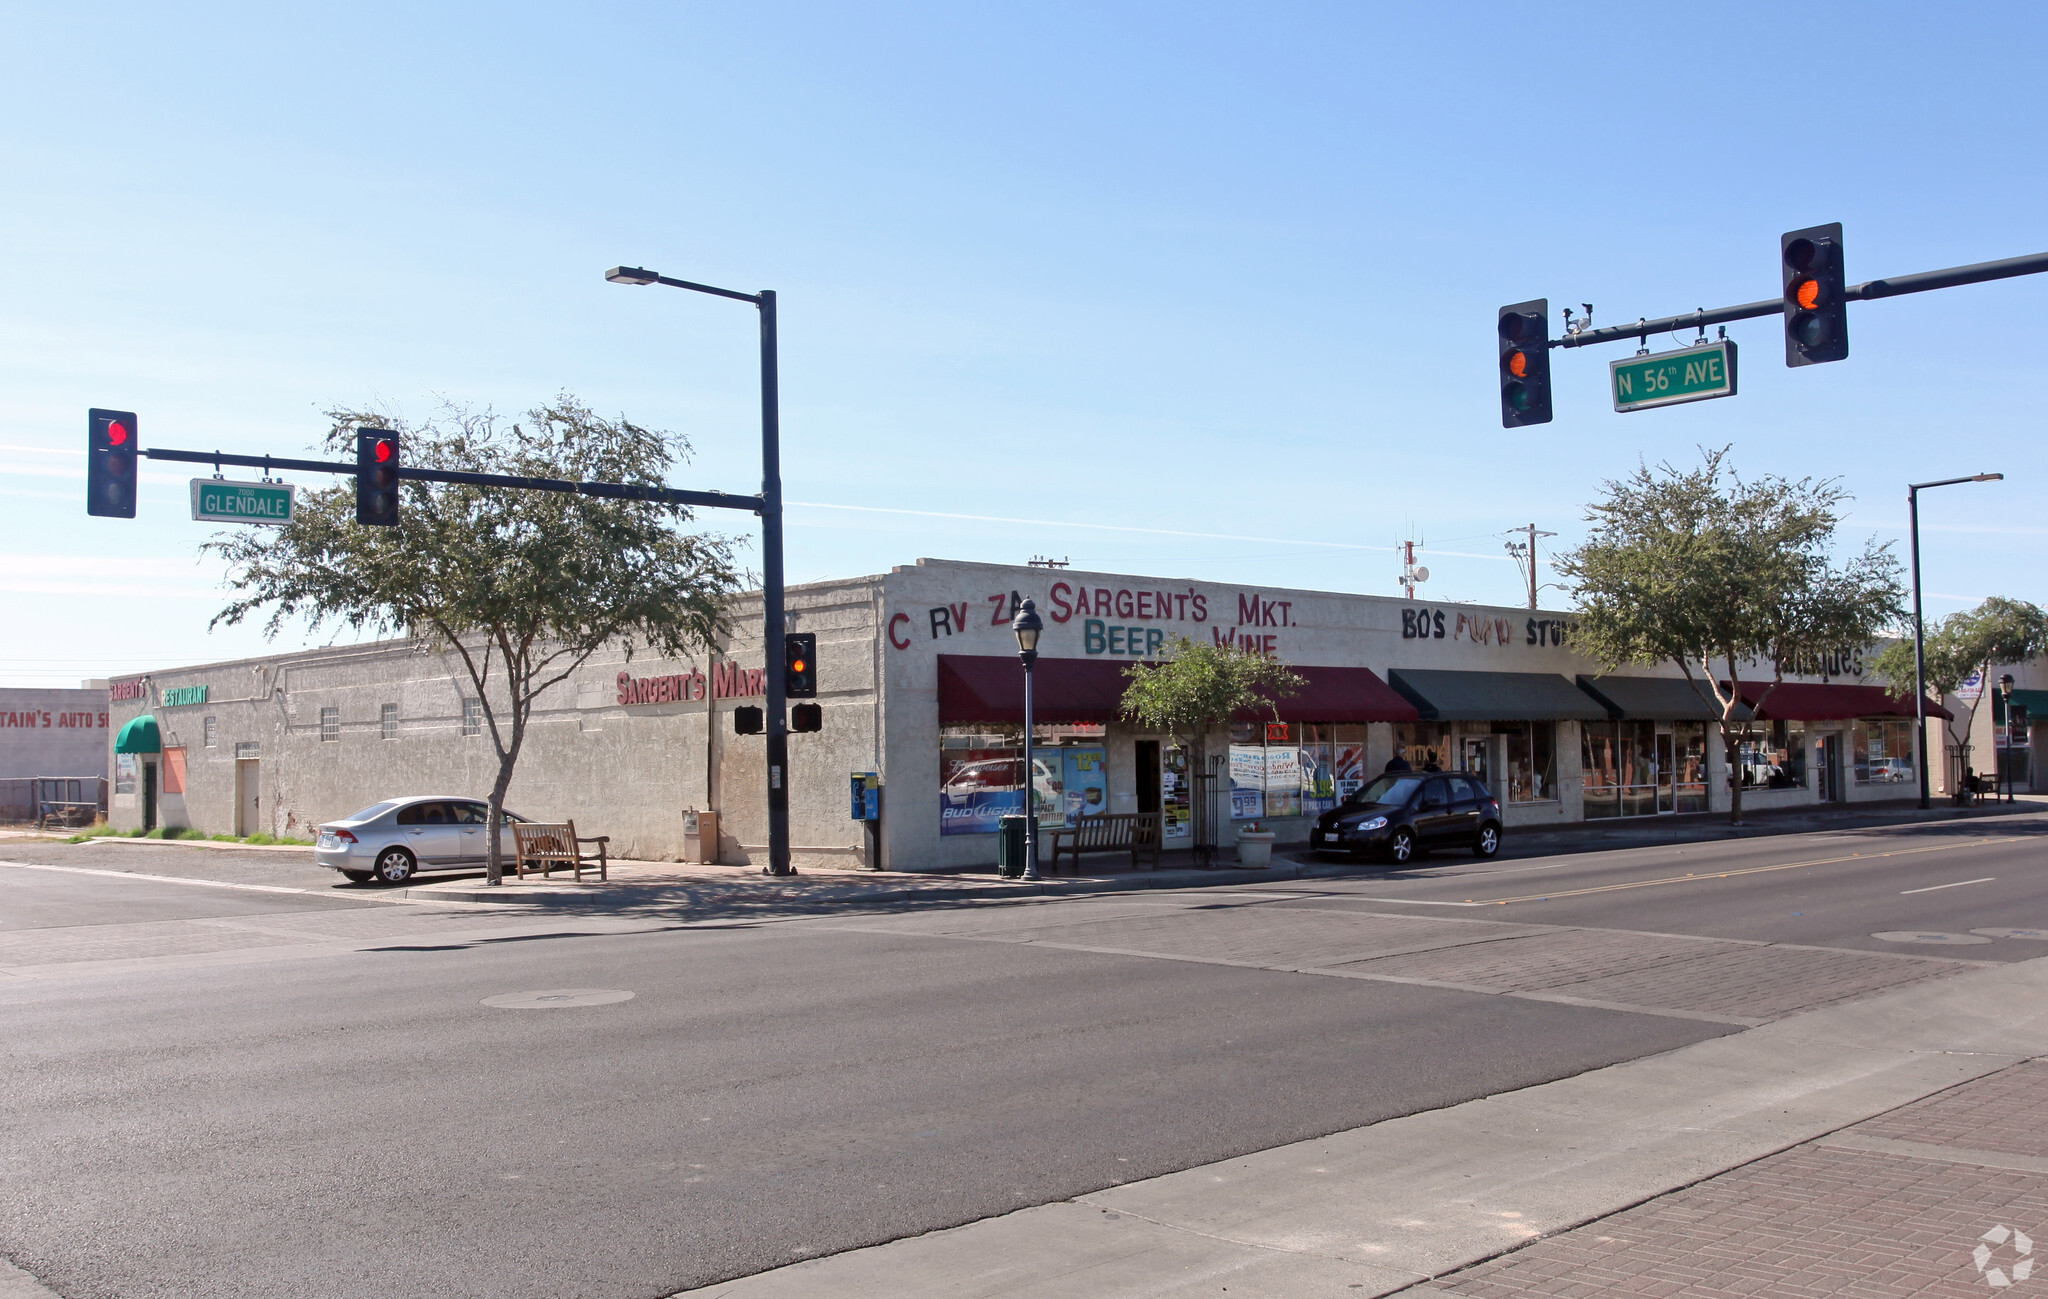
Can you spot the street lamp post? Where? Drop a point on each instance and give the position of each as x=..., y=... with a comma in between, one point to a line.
x=1027, y=624
x=1999, y=751
x=1913, y=491
x=772, y=618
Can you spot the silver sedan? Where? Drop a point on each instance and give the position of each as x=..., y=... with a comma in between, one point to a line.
x=391, y=841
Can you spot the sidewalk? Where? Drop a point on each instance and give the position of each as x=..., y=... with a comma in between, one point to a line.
x=1885, y=1147
x=654, y=885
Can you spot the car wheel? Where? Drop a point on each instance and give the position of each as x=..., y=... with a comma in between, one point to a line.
x=1401, y=847
x=394, y=866
x=358, y=877
x=1487, y=842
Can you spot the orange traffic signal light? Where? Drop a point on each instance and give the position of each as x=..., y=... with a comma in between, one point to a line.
x=1816, y=308
x=1525, y=364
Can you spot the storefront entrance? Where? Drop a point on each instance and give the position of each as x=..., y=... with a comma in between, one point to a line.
x=1827, y=755
x=248, y=800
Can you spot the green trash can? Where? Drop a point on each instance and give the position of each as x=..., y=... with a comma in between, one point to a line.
x=1010, y=846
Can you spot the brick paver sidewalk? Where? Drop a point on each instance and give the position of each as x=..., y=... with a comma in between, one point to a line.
x=1946, y=1196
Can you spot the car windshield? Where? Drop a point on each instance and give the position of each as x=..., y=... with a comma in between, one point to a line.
x=370, y=813
x=1389, y=789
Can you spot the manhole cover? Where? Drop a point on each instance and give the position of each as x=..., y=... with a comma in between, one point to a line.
x=2012, y=933
x=562, y=998
x=1926, y=936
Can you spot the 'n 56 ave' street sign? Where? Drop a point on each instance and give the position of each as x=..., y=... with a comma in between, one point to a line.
x=215, y=500
x=1689, y=374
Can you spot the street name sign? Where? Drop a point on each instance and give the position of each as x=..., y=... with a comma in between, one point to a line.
x=216, y=500
x=1690, y=374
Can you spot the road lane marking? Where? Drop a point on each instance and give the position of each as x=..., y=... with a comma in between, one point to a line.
x=1958, y=884
x=1730, y=874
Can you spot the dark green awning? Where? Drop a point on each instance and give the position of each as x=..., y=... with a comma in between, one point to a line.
x=1445, y=696
x=139, y=736
x=2034, y=702
x=1658, y=699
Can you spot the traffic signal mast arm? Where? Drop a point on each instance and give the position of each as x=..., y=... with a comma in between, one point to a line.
x=618, y=491
x=1869, y=290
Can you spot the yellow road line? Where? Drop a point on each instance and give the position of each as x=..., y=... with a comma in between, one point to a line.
x=1747, y=870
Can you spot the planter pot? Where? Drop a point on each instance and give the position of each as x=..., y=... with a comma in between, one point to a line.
x=1255, y=849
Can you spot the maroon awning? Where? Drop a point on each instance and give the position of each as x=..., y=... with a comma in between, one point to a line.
x=1797, y=701
x=990, y=688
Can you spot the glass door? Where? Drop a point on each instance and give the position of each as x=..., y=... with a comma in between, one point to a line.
x=1666, y=768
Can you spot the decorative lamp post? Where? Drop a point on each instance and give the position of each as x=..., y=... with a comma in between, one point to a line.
x=1913, y=491
x=1027, y=625
x=2003, y=753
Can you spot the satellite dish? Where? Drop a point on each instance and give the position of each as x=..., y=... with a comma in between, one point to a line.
x=1422, y=575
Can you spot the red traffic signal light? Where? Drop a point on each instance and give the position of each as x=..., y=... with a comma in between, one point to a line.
x=377, y=477
x=806, y=717
x=110, y=448
x=1816, y=308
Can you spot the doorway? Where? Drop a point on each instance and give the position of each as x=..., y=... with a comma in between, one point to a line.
x=248, y=797
x=148, y=795
x=1665, y=771
x=1147, y=756
x=1827, y=755
x=1479, y=759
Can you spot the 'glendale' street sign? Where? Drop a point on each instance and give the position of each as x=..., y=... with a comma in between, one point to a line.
x=1689, y=374
x=215, y=500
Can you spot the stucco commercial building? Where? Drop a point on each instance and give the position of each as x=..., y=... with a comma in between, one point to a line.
x=920, y=685
x=53, y=749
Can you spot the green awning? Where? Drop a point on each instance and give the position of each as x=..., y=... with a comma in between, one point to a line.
x=1450, y=696
x=1657, y=699
x=139, y=736
x=2034, y=702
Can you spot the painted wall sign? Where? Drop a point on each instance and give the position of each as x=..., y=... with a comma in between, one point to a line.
x=183, y=696
x=726, y=681
x=44, y=719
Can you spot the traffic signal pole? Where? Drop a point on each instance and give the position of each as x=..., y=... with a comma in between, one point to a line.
x=1868, y=291
x=772, y=614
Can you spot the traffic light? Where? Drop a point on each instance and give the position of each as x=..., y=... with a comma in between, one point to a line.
x=746, y=721
x=1816, y=312
x=377, y=477
x=110, y=446
x=1525, y=364
x=800, y=665
x=806, y=717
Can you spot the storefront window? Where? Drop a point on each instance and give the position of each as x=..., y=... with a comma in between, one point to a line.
x=1621, y=768
x=1425, y=746
x=1771, y=755
x=1531, y=760
x=1883, y=749
x=1689, y=773
x=1291, y=768
x=981, y=779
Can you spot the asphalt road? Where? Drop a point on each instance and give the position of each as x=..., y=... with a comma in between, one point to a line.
x=361, y=1124
x=1833, y=889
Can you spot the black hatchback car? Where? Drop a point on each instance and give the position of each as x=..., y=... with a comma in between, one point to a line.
x=1406, y=812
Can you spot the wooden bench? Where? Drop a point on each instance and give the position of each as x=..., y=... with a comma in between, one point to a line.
x=1133, y=832
x=545, y=847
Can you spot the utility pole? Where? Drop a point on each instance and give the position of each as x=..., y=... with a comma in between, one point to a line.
x=1525, y=555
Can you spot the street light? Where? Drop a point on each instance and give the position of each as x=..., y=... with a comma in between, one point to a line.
x=1027, y=625
x=1998, y=753
x=1913, y=491
x=772, y=621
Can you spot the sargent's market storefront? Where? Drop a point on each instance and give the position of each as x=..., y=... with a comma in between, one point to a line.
x=921, y=688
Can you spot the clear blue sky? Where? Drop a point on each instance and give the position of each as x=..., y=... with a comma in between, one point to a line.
x=1130, y=272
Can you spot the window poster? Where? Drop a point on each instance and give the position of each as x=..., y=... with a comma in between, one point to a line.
x=1283, y=782
x=977, y=788
x=1086, y=783
x=1176, y=802
x=1247, y=782
x=1350, y=769
x=124, y=773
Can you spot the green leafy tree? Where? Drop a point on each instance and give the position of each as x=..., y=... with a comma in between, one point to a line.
x=1195, y=687
x=1971, y=641
x=1725, y=577
x=520, y=587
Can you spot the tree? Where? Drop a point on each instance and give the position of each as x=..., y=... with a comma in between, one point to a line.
x=1697, y=568
x=1995, y=633
x=521, y=587
x=1196, y=686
